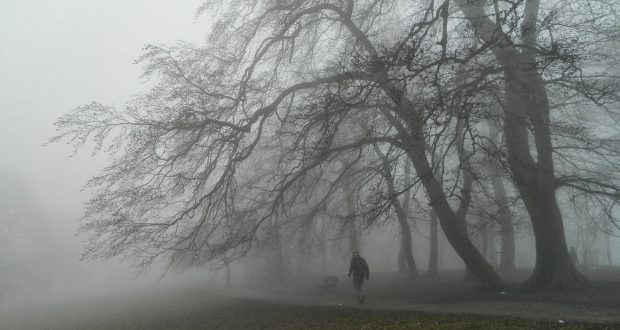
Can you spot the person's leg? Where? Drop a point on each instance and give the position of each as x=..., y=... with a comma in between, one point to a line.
x=357, y=285
x=361, y=292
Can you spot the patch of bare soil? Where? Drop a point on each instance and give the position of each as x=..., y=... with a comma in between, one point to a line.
x=599, y=303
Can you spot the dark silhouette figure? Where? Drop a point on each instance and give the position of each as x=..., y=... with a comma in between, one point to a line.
x=359, y=268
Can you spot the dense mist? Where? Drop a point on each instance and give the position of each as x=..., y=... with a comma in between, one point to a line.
x=166, y=164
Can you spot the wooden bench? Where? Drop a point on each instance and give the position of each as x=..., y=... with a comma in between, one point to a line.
x=330, y=283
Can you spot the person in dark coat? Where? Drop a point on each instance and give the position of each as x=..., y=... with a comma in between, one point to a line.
x=359, y=268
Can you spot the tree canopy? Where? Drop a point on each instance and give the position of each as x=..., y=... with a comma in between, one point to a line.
x=288, y=100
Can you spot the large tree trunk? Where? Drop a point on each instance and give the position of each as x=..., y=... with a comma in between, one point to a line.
x=554, y=267
x=407, y=119
x=526, y=103
x=536, y=181
x=452, y=224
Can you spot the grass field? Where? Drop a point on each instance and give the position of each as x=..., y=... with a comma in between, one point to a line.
x=392, y=303
x=201, y=310
x=254, y=315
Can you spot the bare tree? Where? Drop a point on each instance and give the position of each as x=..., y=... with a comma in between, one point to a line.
x=174, y=185
x=191, y=178
x=525, y=64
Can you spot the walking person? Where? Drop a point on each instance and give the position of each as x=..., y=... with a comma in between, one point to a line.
x=359, y=268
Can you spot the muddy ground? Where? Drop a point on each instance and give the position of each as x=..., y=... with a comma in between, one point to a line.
x=450, y=294
x=392, y=302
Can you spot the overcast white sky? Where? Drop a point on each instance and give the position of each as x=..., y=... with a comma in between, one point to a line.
x=56, y=55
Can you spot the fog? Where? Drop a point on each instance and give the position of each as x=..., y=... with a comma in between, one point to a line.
x=56, y=56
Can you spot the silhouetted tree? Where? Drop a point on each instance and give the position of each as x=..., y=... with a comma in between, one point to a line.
x=191, y=176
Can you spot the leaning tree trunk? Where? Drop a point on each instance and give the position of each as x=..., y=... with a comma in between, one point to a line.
x=526, y=103
x=536, y=181
x=452, y=223
x=526, y=98
x=408, y=121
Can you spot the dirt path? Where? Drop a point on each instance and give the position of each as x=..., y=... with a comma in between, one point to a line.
x=597, y=305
